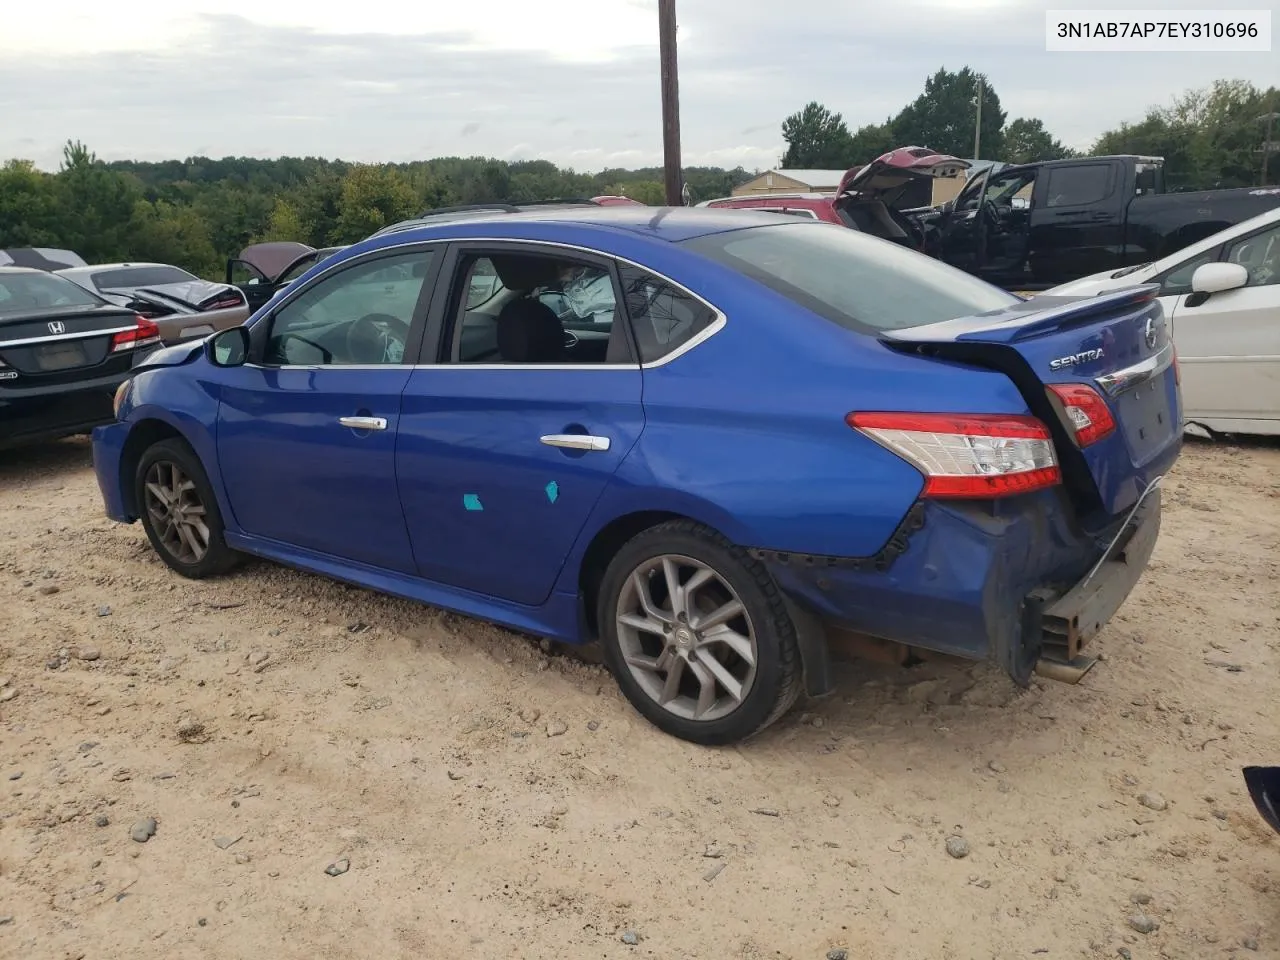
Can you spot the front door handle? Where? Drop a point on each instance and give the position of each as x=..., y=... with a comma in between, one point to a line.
x=576, y=441
x=364, y=423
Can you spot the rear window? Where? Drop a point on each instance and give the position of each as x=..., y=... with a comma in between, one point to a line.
x=857, y=281
x=22, y=292
x=140, y=277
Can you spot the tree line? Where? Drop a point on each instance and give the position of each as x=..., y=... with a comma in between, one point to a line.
x=1210, y=137
x=198, y=212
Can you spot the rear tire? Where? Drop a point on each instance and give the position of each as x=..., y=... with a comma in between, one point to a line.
x=180, y=512
x=717, y=662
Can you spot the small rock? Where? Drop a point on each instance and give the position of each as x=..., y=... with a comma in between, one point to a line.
x=222, y=843
x=838, y=954
x=87, y=653
x=6, y=920
x=957, y=847
x=557, y=728
x=143, y=830
x=593, y=725
x=995, y=766
x=87, y=746
x=766, y=812
x=530, y=715
x=559, y=810
x=831, y=800
x=7, y=694
x=338, y=868
x=202, y=922
x=1140, y=897
x=1153, y=801
x=714, y=871
x=630, y=938
x=1124, y=953
x=713, y=852
x=453, y=776
x=104, y=611
x=16, y=775
x=103, y=820
x=49, y=589
x=1220, y=814
x=190, y=729
x=1143, y=924
x=1249, y=943
x=1130, y=780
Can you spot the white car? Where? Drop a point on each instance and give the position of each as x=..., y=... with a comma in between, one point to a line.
x=1222, y=298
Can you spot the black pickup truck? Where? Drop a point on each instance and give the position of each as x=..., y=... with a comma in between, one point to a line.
x=1033, y=226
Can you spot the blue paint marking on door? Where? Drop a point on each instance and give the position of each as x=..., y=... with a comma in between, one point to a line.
x=553, y=491
x=472, y=502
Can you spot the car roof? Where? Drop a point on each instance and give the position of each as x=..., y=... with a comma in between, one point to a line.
x=672, y=224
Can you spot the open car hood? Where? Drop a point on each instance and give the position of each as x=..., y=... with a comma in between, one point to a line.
x=893, y=171
x=41, y=258
x=273, y=259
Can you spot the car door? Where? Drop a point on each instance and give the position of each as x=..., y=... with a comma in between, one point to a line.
x=1076, y=220
x=307, y=429
x=1229, y=344
x=510, y=437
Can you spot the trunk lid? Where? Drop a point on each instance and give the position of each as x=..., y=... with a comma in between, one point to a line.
x=891, y=173
x=1118, y=344
x=60, y=341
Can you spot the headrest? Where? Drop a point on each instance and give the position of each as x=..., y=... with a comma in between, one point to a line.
x=523, y=273
x=530, y=332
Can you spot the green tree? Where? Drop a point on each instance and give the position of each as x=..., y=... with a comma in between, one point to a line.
x=872, y=141
x=944, y=116
x=1027, y=141
x=29, y=211
x=96, y=205
x=817, y=139
x=372, y=198
x=1208, y=137
x=285, y=223
x=167, y=233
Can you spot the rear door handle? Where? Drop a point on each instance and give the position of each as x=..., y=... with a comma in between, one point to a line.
x=364, y=423
x=576, y=441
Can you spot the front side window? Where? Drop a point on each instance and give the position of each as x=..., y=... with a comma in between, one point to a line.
x=1260, y=255
x=359, y=315
x=852, y=279
x=536, y=309
x=1176, y=281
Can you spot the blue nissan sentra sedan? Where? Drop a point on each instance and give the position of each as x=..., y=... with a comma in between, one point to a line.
x=773, y=429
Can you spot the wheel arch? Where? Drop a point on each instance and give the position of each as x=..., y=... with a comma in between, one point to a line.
x=151, y=424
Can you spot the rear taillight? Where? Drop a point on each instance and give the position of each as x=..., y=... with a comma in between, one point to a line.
x=144, y=334
x=224, y=302
x=1089, y=414
x=967, y=455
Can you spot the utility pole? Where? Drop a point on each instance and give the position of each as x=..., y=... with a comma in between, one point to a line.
x=977, y=127
x=670, y=103
x=1267, y=145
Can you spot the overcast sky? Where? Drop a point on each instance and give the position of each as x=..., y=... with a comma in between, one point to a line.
x=572, y=81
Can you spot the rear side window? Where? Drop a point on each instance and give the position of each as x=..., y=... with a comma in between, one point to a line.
x=663, y=316
x=1078, y=186
x=852, y=279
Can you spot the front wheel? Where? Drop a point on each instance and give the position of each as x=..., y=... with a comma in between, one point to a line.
x=698, y=635
x=179, y=511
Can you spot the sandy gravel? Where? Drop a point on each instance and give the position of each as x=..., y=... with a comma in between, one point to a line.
x=494, y=801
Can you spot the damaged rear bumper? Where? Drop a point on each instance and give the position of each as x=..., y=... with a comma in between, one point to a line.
x=1012, y=582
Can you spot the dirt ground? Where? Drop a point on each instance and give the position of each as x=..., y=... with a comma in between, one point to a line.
x=493, y=801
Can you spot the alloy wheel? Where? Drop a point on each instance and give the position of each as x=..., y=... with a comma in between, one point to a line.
x=177, y=514
x=686, y=638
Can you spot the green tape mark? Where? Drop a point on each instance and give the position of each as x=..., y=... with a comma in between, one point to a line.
x=553, y=491
x=472, y=502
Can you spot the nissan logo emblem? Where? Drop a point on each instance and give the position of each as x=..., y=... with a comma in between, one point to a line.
x=1151, y=333
x=57, y=327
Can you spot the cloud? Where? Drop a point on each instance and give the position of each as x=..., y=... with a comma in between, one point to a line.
x=574, y=81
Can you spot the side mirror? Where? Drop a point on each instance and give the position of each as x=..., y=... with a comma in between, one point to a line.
x=1218, y=278
x=229, y=348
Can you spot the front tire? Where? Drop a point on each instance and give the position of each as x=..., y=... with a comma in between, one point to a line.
x=697, y=634
x=180, y=512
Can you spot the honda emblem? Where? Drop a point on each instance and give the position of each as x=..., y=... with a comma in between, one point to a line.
x=57, y=327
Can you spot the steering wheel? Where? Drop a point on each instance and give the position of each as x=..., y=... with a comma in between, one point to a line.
x=991, y=214
x=377, y=338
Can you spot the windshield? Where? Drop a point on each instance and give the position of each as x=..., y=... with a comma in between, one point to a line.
x=140, y=277
x=22, y=292
x=852, y=279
